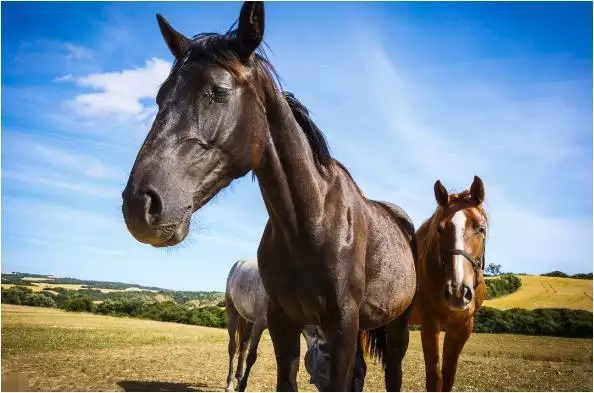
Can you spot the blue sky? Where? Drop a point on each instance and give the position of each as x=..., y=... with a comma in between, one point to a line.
x=406, y=93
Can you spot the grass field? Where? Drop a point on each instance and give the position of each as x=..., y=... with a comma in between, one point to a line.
x=547, y=292
x=38, y=287
x=52, y=350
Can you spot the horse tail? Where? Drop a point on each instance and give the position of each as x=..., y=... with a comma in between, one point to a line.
x=374, y=345
x=241, y=327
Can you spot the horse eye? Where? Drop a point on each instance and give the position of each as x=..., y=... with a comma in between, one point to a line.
x=204, y=144
x=219, y=94
x=220, y=90
x=482, y=230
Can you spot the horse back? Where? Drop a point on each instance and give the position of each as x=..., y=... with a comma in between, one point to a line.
x=389, y=265
x=245, y=290
x=402, y=219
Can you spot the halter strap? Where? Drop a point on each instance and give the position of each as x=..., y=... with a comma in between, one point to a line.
x=478, y=263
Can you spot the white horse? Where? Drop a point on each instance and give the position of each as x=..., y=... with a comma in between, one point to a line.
x=246, y=304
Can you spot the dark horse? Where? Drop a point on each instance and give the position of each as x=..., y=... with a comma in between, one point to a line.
x=328, y=256
x=450, y=275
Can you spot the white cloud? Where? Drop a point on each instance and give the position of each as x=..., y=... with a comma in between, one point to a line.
x=120, y=93
x=54, y=182
x=522, y=240
x=428, y=139
x=90, y=166
x=63, y=78
x=48, y=58
x=77, y=52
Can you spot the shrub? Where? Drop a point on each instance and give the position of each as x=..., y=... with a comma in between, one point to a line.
x=582, y=276
x=133, y=307
x=502, y=285
x=558, y=322
x=38, y=300
x=15, y=295
x=26, y=297
x=79, y=303
x=555, y=273
x=11, y=297
x=211, y=316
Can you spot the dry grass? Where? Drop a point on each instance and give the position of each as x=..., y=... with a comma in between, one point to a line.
x=38, y=286
x=52, y=350
x=548, y=292
x=162, y=298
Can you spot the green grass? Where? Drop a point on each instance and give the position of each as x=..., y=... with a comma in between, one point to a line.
x=547, y=292
x=52, y=350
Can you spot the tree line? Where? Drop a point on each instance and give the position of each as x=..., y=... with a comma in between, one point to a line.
x=117, y=304
x=557, y=273
x=549, y=322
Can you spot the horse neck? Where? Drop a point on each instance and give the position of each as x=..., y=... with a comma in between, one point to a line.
x=291, y=185
x=427, y=272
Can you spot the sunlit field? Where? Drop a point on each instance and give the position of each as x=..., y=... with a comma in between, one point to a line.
x=52, y=350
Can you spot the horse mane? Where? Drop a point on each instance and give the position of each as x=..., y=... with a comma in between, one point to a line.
x=315, y=136
x=429, y=242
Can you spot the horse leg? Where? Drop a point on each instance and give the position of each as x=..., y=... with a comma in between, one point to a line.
x=245, y=332
x=359, y=369
x=285, y=335
x=257, y=330
x=455, y=339
x=397, y=344
x=342, y=332
x=232, y=318
x=430, y=341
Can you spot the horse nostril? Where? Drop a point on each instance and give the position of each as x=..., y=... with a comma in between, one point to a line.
x=467, y=293
x=153, y=204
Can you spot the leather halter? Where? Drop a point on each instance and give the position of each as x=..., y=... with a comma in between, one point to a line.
x=478, y=263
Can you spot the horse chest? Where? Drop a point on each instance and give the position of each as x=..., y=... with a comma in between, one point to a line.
x=297, y=292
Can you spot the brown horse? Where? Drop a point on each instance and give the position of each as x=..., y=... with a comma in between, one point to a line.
x=328, y=256
x=450, y=275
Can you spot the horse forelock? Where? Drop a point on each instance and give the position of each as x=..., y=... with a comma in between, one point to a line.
x=457, y=202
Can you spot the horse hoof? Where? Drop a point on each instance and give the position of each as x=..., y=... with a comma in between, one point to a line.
x=230, y=388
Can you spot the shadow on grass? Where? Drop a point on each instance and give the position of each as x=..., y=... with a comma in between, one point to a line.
x=158, y=386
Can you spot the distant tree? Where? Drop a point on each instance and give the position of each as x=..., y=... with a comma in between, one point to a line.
x=555, y=273
x=39, y=300
x=11, y=297
x=502, y=285
x=80, y=303
x=493, y=269
x=583, y=276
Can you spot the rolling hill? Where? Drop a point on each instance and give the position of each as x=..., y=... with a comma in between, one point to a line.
x=535, y=292
x=547, y=292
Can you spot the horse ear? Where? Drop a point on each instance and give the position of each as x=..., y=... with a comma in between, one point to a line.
x=477, y=190
x=178, y=43
x=251, y=28
x=441, y=194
